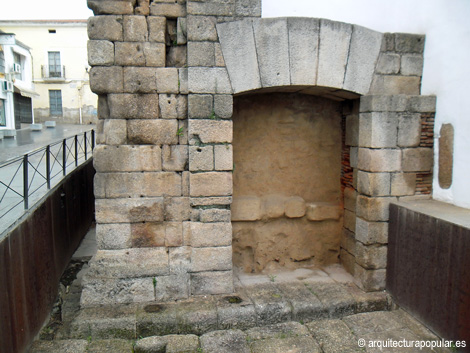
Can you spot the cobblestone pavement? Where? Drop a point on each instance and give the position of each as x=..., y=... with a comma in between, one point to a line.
x=299, y=311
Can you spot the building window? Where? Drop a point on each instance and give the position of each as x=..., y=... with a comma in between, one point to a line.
x=55, y=102
x=54, y=64
x=2, y=62
x=3, y=120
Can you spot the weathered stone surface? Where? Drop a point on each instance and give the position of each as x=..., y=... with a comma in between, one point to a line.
x=379, y=160
x=200, y=105
x=142, y=7
x=363, y=54
x=103, y=108
x=378, y=130
x=223, y=157
x=295, y=207
x=210, y=201
x=209, y=80
x=106, y=79
x=113, y=236
x=183, y=80
x=201, y=158
x=140, y=80
x=373, y=184
x=214, y=282
x=422, y=104
x=215, y=215
x=127, y=158
x=210, y=234
x=157, y=320
x=305, y=305
x=371, y=256
x=201, y=54
x=210, y=131
x=369, y=280
x=403, y=184
x=371, y=232
x=373, y=208
x=119, y=185
x=150, y=234
x=333, y=336
x=272, y=48
x=175, y=157
x=393, y=85
x=322, y=211
x=211, y=184
x=140, y=54
x=248, y=208
x=409, y=130
x=238, y=46
x=111, y=7
x=409, y=43
x=352, y=130
x=383, y=103
x=389, y=63
x=349, y=220
x=271, y=307
x=446, y=155
x=168, y=9
x=154, y=131
x=173, y=106
x=167, y=344
x=157, y=28
x=225, y=342
x=411, y=65
x=135, y=29
x=65, y=346
x=177, y=209
x=235, y=312
x=417, y=159
x=215, y=8
x=333, y=53
x=279, y=345
x=129, y=210
x=133, y=106
x=100, y=53
x=247, y=8
x=115, y=131
x=152, y=344
x=350, y=199
x=219, y=56
x=201, y=28
x=334, y=297
x=105, y=27
x=167, y=80
x=303, y=49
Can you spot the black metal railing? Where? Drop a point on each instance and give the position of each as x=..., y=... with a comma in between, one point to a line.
x=22, y=179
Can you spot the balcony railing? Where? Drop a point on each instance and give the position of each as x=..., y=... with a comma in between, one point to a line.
x=53, y=73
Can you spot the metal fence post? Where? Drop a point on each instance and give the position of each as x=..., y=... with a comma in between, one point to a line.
x=92, y=140
x=25, y=181
x=48, y=166
x=84, y=145
x=64, y=156
x=76, y=150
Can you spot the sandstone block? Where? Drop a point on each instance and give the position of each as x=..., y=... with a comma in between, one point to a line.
x=393, y=85
x=175, y=157
x=247, y=208
x=223, y=157
x=403, y=184
x=211, y=184
x=353, y=154
x=322, y=211
x=148, y=235
x=347, y=261
x=181, y=31
x=223, y=105
x=177, y=209
x=210, y=131
x=110, y=7
x=216, y=8
x=201, y=158
x=352, y=130
x=379, y=160
x=135, y=29
x=378, y=130
x=422, y=104
x=349, y=220
x=209, y=80
x=348, y=241
x=369, y=280
x=113, y=236
x=115, y=131
x=383, y=103
x=295, y=207
x=106, y=79
x=211, y=259
x=183, y=132
x=176, y=56
x=129, y=210
x=201, y=54
x=411, y=65
x=350, y=199
x=200, y=105
x=105, y=27
x=152, y=132
x=371, y=256
x=129, y=54
x=168, y=9
x=371, y=232
x=100, y=53
x=103, y=108
x=409, y=43
x=142, y=8
x=210, y=201
x=417, y=159
x=373, y=184
x=183, y=80
x=215, y=215
x=173, y=234
x=210, y=234
x=140, y=80
x=219, y=56
x=173, y=106
x=373, y=208
x=167, y=80
x=409, y=130
x=133, y=106
x=273, y=206
x=127, y=158
x=389, y=63
x=219, y=282
x=157, y=28
x=180, y=259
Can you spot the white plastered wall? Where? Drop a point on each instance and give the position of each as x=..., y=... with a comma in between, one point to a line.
x=446, y=72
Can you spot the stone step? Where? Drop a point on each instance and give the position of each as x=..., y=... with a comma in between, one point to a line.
x=352, y=333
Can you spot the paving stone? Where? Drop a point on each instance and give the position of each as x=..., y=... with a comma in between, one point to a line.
x=235, y=312
x=59, y=346
x=390, y=336
x=152, y=344
x=288, y=329
x=110, y=346
x=334, y=297
x=197, y=317
x=368, y=302
x=270, y=305
x=334, y=336
x=414, y=325
x=157, y=319
x=226, y=341
x=305, y=305
x=281, y=345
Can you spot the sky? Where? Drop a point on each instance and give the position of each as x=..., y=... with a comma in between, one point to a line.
x=45, y=10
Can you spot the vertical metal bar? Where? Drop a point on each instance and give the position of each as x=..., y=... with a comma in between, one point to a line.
x=64, y=157
x=76, y=150
x=48, y=166
x=25, y=181
x=84, y=145
x=92, y=140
